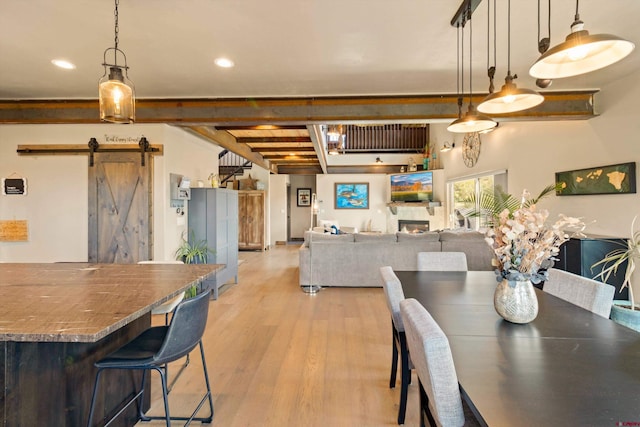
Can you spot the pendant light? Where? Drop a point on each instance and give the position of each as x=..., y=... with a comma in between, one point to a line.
x=472, y=121
x=335, y=139
x=510, y=98
x=116, y=91
x=580, y=53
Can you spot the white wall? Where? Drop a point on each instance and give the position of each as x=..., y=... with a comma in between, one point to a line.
x=278, y=187
x=56, y=205
x=300, y=216
x=378, y=198
x=533, y=152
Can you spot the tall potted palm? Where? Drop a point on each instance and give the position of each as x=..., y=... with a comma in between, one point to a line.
x=626, y=313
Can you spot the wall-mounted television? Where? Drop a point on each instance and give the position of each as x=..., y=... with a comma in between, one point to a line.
x=412, y=187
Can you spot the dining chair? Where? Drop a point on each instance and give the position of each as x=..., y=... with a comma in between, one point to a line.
x=167, y=308
x=440, y=398
x=394, y=294
x=589, y=294
x=442, y=261
x=156, y=347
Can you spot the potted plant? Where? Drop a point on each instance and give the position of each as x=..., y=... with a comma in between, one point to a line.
x=192, y=251
x=626, y=313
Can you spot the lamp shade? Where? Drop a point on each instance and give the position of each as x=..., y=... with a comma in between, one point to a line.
x=116, y=97
x=580, y=53
x=471, y=122
x=510, y=99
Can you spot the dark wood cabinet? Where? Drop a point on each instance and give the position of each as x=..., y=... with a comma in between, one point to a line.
x=578, y=254
x=251, y=213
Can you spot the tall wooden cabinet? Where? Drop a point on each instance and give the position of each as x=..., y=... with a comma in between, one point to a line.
x=213, y=216
x=251, y=215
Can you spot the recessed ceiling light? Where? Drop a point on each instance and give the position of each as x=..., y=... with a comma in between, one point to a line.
x=224, y=62
x=63, y=64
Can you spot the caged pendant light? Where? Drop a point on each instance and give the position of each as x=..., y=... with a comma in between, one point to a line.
x=580, y=53
x=116, y=91
x=472, y=120
x=510, y=98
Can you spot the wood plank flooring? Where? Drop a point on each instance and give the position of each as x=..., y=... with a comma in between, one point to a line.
x=279, y=357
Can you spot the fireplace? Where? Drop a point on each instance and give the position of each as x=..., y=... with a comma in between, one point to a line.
x=413, y=226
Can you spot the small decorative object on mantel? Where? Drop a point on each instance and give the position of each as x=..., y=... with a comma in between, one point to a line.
x=525, y=247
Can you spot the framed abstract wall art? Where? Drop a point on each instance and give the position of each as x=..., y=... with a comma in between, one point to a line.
x=610, y=179
x=352, y=195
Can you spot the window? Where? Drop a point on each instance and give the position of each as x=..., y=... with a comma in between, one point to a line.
x=460, y=190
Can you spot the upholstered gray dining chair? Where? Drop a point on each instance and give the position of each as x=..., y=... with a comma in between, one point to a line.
x=394, y=294
x=589, y=294
x=429, y=347
x=442, y=261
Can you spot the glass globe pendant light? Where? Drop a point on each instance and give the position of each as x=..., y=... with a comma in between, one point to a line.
x=116, y=91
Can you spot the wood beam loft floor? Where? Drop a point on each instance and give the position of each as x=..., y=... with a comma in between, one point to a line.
x=279, y=357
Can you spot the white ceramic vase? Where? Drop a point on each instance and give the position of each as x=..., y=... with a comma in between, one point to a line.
x=516, y=301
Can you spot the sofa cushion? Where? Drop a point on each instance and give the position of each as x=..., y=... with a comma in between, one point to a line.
x=461, y=235
x=324, y=237
x=430, y=236
x=375, y=238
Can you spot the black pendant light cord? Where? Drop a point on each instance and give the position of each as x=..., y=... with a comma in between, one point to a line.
x=470, y=58
x=509, y=38
x=577, y=18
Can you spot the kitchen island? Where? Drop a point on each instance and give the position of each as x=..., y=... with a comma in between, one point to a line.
x=58, y=319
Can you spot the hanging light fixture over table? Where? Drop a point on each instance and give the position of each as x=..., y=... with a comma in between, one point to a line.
x=580, y=53
x=472, y=120
x=510, y=98
x=116, y=91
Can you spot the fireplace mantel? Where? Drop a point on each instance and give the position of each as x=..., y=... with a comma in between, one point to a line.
x=393, y=206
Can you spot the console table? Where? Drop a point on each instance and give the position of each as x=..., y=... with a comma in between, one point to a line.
x=58, y=319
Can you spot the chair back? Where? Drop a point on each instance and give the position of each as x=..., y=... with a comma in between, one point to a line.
x=442, y=261
x=186, y=328
x=589, y=294
x=394, y=294
x=431, y=356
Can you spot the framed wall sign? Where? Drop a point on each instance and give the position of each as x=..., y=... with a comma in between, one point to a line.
x=304, y=197
x=14, y=186
x=352, y=195
x=610, y=179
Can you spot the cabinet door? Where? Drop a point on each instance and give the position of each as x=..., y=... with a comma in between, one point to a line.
x=251, y=231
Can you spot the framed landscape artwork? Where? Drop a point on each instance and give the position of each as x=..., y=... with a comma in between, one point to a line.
x=352, y=195
x=611, y=179
x=304, y=197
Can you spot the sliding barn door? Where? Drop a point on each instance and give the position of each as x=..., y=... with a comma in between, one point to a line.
x=119, y=208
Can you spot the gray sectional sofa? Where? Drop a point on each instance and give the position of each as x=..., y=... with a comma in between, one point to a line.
x=354, y=260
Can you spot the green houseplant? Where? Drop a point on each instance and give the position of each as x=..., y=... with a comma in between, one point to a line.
x=193, y=251
x=626, y=313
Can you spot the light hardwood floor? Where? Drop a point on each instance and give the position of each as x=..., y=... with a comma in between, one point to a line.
x=279, y=357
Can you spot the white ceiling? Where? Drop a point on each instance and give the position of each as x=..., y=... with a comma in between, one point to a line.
x=283, y=47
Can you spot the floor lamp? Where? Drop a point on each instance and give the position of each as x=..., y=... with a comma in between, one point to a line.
x=311, y=288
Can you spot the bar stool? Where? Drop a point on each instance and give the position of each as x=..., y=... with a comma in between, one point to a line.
x=156, y=347
x=167, y=308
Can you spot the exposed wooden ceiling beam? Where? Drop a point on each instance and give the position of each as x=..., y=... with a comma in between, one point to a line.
x=225, y=140
x=273, y=139
x=267, y=149
x=288, y=111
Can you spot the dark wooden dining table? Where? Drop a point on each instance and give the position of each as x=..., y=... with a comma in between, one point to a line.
x=568, y=367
